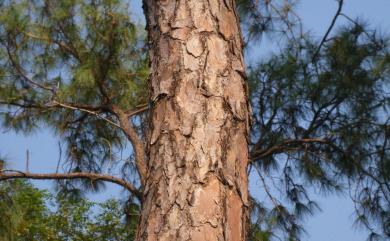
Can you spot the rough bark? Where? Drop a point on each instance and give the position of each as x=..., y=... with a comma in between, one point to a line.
x=196, y=186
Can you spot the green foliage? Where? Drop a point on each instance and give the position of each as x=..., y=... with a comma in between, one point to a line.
x=62, y=60
x=322, y=123
x=275, y=18
x=32, y=214
x=23, y=212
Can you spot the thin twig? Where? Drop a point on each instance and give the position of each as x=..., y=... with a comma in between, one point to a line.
x=59, y=157
x=87, y=111
x=20, y=71
x=283, y=147
x=340, y=7
x=27, y=160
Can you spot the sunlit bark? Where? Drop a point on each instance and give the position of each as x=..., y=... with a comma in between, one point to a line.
x=196, y=186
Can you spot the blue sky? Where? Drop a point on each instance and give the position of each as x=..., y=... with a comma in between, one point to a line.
x=334, y=223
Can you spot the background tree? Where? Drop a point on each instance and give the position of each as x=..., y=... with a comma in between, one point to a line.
x=32, y=214
x=320, y=119
x=63, y=64
x=320, y=106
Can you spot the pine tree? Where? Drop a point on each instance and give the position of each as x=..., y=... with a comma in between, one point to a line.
x=319, y=116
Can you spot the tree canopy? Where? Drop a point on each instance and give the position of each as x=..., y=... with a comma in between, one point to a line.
x=320, y=106
x=32, y=214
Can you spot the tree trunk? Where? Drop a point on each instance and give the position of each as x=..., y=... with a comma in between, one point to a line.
x=196, y=186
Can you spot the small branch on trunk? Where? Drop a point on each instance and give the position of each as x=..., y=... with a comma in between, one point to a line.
x=12, y=174
x=137, y=110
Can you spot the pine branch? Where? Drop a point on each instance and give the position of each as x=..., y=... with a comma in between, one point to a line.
x=139, y=146
x=338, y=13
x=284, y=146
x=97, y=114
x=60, y=44
x=124, y=123
x=21, y=72
x=12, y=174
x=285, y=20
